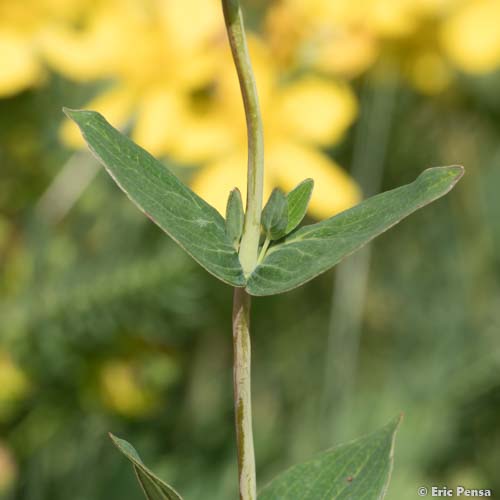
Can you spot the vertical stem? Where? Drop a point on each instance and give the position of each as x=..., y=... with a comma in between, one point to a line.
x=251, y=231
x=249, y=248
x=242, y=394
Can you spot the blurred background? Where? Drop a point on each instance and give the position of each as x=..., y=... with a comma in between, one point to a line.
x=105, y=325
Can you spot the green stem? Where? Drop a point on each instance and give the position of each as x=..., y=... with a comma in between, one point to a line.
x=251, y=231
x=249, y=247
x=242, y=394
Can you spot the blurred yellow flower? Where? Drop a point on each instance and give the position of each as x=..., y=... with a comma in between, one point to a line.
x=344, y=37
x=20, y=65
x=320, y=34
x=122, y=391
x=349, y=37
x=429, y=72
x=471, y=36
x=156, y=54
x=392, y=18
x=21, y=26
x=134, y=387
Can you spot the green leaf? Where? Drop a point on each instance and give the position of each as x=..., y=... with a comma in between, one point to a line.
x=275, y=215
x=152, y=486
x=188, y=219
x=359, y=470
x=298, y=201
x=234, y=217
x=313, y=249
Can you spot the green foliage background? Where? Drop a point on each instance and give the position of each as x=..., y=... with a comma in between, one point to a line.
x=329, y=362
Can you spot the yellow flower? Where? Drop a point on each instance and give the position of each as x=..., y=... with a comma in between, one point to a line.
x=93, y=49
x=328, y=36
x=429, y=72
x=135, y=387
x=344, y=37
x=471, y=36
x=350, y=37
x=392, y=18
x=21, y=25
x=20, y=67
x=157, y=53
x=300, y=116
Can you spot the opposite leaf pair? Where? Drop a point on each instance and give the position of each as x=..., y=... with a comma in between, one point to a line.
x=201, y=231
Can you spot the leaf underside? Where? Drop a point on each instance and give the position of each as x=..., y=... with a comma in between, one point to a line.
x=188, y=219
x=152, y=486
x=313, y=249
x=359, y=470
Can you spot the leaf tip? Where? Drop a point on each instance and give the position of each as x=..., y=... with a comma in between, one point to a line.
x=453, y=172
x=114, y=439
x=457, y=171
x=79, y=116
x=70, y=113
x=121, y=444
x=395, y=423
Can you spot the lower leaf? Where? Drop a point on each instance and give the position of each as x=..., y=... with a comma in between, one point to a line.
x=359, y=470
x=152, y=486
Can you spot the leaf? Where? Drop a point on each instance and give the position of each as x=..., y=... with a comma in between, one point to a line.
x=359, y=470
x=275, y=215
x=298, y=201
x=313, y=249
x=234, y=217
x=152, y=486
x=188, y=219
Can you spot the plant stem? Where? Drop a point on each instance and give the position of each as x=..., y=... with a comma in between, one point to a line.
x=251, y=231
x=242, y=394
x=249, y=247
